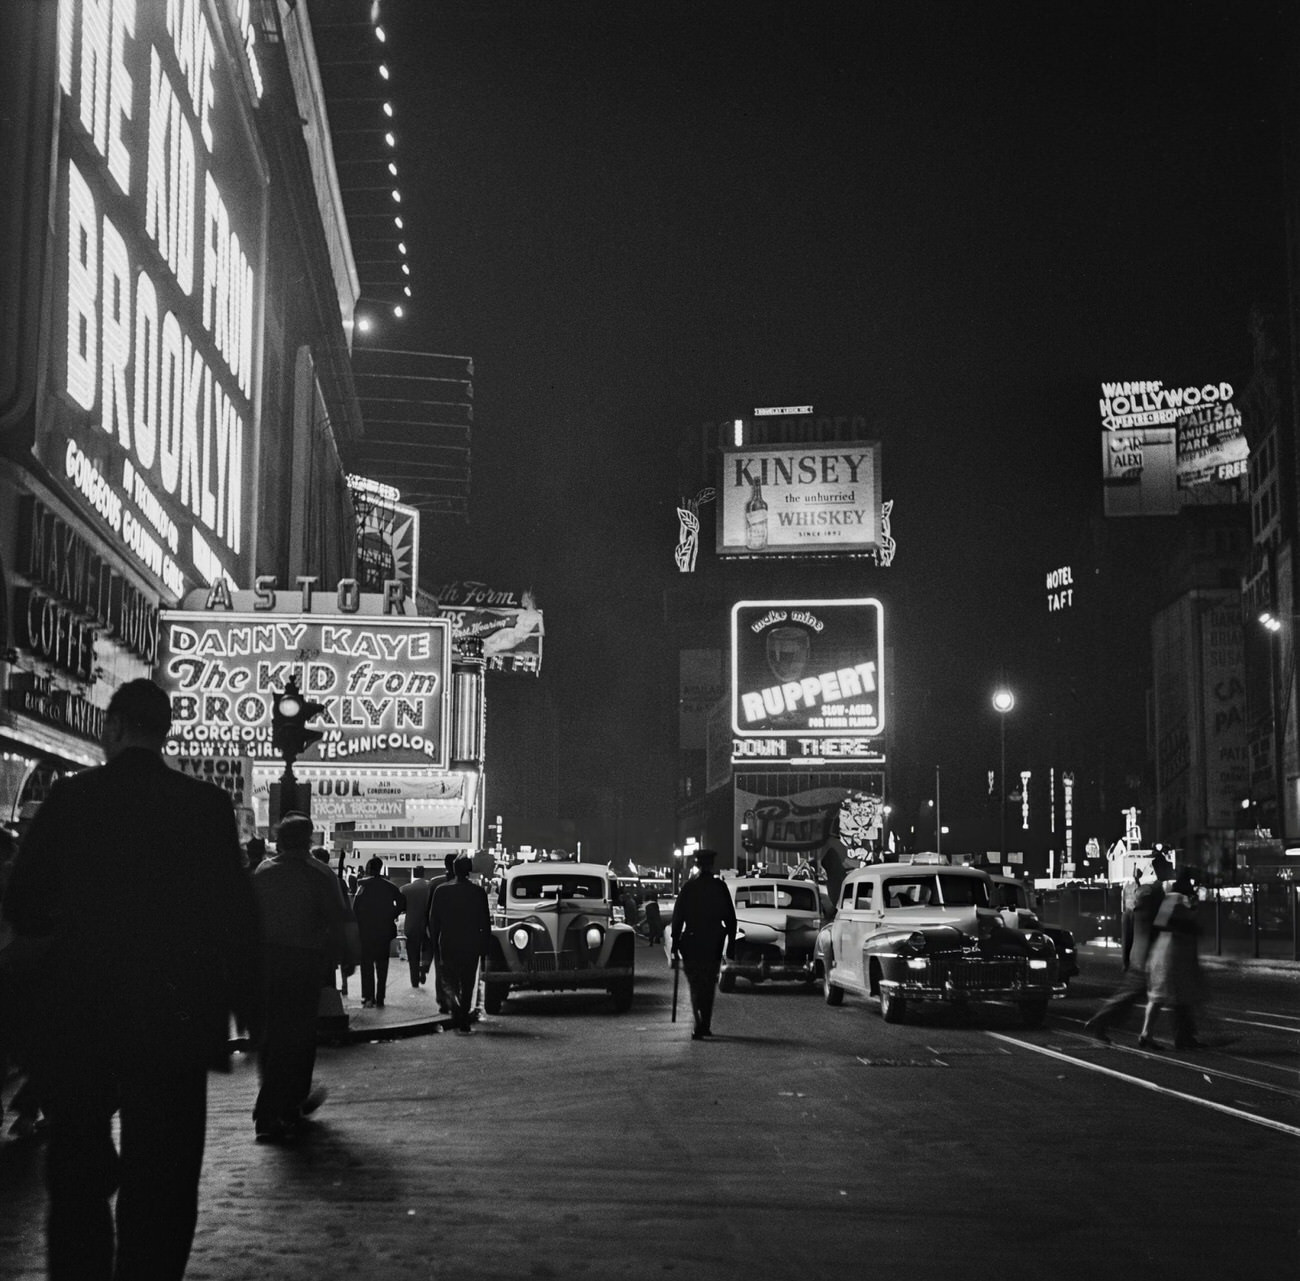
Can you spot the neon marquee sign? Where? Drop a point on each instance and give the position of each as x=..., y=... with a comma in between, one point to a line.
x=157, y=315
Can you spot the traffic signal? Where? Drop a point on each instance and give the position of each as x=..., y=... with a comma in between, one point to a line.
x=750, y=837
x=289, y=716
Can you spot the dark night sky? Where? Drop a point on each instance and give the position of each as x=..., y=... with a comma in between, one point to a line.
x=956, y=219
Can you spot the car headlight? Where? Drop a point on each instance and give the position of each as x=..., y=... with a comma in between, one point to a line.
x=521, y=938
x=594, y=935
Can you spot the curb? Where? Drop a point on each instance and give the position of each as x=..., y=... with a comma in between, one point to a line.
x=359, y=1036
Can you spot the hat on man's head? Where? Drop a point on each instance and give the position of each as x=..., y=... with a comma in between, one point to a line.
x=294, y=832
x=143, y=706
x=464, y=865
x=705, y=858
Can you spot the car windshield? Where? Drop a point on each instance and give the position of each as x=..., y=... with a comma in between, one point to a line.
x=798, y=898
x=534, y=888
x=934, y=890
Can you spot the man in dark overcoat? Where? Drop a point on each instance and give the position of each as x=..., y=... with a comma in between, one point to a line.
x=415, y=895
x=133, y=871
x=704, y=922
x=430, y=951
x=377, y=904
x=461, y=924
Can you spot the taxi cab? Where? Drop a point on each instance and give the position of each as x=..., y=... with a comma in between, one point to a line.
x=919, y=932
x=559, y=926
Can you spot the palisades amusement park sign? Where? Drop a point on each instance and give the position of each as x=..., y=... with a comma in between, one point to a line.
x=807, y=674
x=382, y=675
x=159, y=228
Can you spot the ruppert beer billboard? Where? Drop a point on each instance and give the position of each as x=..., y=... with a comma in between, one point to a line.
x=800, y=500
x=807, y=678
x=383, y=679
x=156, y=307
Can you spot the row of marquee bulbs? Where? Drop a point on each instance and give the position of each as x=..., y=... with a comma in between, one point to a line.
x=364, y=323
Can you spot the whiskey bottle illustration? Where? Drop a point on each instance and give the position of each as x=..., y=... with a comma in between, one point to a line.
x=756, y=519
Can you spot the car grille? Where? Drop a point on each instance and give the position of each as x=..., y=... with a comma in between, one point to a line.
x=975, y=973
x=552, y=962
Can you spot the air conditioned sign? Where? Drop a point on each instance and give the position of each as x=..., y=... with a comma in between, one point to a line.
x=808, y=670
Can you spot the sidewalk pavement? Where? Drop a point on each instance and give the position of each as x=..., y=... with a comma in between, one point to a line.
x=407, y=1011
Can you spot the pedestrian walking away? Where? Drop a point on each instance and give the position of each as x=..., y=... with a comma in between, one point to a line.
x=461, y=925
x=704, y=922
x=1175, y=965
x=415, y=925
x=1133, y=988
x=431, y=951
x=377, y=904
x=134, y=873
x=1128, y=903
x=307, y=927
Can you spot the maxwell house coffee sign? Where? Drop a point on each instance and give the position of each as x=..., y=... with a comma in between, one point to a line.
x=382, y=679
x=807, y=670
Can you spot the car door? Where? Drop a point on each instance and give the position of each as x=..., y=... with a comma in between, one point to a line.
x=861, y=917
x=843, y=930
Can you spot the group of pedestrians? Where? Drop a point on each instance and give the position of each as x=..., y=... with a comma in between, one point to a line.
x=146, y=936
x=1161, y=940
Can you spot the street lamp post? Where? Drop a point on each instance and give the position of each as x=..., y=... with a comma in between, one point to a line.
x=1003, y=701
x=1281, y=678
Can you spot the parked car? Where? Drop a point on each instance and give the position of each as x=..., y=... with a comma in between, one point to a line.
x=559, y=926
x=907, y=932
x=1017, y=903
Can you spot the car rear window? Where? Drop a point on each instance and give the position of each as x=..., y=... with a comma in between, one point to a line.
x=1009, y=896
x=798, y=898
x=535, y=888
x=755, y=896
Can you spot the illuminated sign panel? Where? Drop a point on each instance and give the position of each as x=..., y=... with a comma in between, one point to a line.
x=1166, y=448
x=156, y=300
x=382, y=678
x=810, y=672
x=807, y=499
x=388, y=537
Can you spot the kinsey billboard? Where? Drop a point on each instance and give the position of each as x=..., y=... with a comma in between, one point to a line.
x=383, y=680
x=808, y=670
x=156, y=302
x=798, y=500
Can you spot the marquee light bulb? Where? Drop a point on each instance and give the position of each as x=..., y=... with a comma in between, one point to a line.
x=406, y=271
x=363, y=324
x=401, y=246
x=383, y=70
x=388, y=109
x=407, y=290
x=399, y=223
x=398, y=312
x=397, y=195
x=380, y=34
x=392, y=168
x=390, y=140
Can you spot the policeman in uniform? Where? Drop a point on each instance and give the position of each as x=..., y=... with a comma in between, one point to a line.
x=704, y=920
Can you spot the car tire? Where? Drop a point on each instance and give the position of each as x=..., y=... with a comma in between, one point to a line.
x=622, y=994
x=726, y=982
x=893, y=1008
x=831, y=994
x=494, y=997
x=1032, y=1013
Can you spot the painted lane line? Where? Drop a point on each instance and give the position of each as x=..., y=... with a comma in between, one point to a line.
x=1292, y=1130
x=1272, y=1027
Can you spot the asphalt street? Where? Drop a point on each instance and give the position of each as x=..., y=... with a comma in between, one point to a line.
x=562, y=1140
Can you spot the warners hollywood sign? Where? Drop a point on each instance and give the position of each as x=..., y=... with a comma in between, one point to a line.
x=383, y=680
x=157, y=295
x=805, y=670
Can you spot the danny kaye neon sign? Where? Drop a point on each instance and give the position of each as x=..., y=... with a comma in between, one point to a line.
x=161, y=301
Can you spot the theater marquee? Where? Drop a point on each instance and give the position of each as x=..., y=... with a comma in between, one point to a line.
x=159, y=224
x=383, y=680
x=808, y=679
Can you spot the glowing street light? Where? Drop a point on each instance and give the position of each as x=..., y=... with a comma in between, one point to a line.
x=1003, y=701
